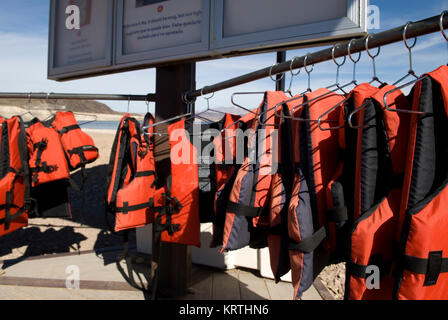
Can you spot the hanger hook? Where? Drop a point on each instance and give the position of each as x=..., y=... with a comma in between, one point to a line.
x=129, y=103
x=207, y=98
x=334, y=59
x=349, y=50
x=290, y=67
x=339, y=65
x=147, y=104
x=188, y=103
x=355, y=61
x=203, y=96
x=292, y=74
x=409, y=47
x=308, y=71
x=372, y=56
x=270, y=74
x=441, y=24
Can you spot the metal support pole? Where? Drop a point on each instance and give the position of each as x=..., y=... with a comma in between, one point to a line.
x=419, y=28
x=77, y=96
x=280, y=83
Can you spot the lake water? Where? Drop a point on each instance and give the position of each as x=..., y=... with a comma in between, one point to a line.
x=105, y=125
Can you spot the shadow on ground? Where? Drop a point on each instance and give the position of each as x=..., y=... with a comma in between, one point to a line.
x=87, y=231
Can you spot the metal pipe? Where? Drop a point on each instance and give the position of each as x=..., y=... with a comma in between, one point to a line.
x=415, y=29
x=77, y=96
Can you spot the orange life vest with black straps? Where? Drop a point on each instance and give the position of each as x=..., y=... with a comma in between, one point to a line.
x=47, y=160
x=247, y=208
x=79, y=147
x=14, y=176
x=380, y=161
x=421, y=271
x=131, y=175
x=311, y=215
x=226, y=152
x=176, y=205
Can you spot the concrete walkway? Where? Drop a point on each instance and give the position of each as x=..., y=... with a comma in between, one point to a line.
x=46, y=278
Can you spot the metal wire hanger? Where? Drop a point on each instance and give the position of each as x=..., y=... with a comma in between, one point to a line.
x=29, y=107
x=293, y=75
x=387, y=106
x=354, y=81
x=373, y=57
x=411, y=71
x=305, y=67
x=208, y=106
x=336, y=84
x=186, y=115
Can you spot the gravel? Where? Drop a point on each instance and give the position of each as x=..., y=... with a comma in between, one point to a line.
x=333, y=277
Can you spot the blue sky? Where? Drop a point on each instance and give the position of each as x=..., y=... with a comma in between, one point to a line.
x=24, y=40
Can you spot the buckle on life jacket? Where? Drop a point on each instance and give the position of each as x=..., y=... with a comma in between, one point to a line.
x=169, y=209
x=41, y=146
x=45, y=168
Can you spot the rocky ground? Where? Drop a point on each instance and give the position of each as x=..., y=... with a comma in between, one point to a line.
x=333, y=277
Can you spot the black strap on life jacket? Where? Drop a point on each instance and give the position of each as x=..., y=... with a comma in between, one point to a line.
x=4, y=153
x=243, y=210
x=23, y=171
x=68, y=129
x=431, y=267
x=360, y=271
x=39, y=165
x=338, y=215
x=121, y=136
x=80, y=152
x=172, y=206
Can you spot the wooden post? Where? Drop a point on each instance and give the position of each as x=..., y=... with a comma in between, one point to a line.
x=172, y=261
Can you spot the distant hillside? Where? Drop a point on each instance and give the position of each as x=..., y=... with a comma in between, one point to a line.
x=82, y=106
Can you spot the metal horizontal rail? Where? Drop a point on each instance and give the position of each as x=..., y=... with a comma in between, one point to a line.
x=77, y=96
x=414, y=29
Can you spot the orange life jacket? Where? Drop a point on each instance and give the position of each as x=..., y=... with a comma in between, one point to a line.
x=176, y=206
x=311, y=212
x=78, y=145
x=422, y=262
x=380, y=162
x=46, y=156
x=249, y=197
x=135, y=199
x=226, y=150
x=131, y=175
x=14, y=176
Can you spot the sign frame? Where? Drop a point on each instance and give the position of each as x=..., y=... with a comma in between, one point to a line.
x=213, y=44
x=82, y=68
x=155, y=56
x=354, y=23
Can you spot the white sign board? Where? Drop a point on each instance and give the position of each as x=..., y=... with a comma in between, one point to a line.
x=122, y=35
x=90, y=47
x=253, y=24
x=155, y=30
